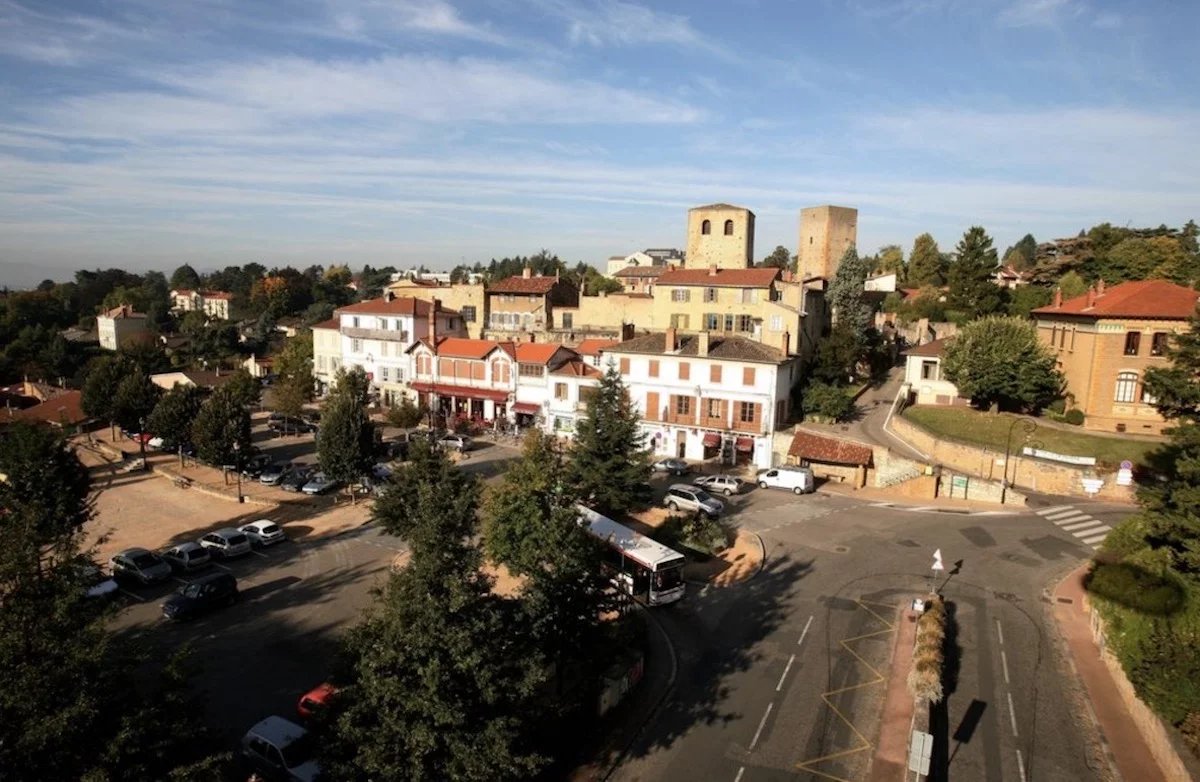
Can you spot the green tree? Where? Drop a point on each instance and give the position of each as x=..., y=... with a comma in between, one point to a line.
x=345, y=444
x=828, y=401
x=221, y=432
x=406, y=414
x=889, y=260
x=246, y=388
x=780, y=258
x=135, y=400
x=838, y=355
x=99, y=394
x=972, y=288
x=1072, y=284
x=185, y=278
x=608, y=457
x=1138, y=258
x=925, y=265
x=1026, y=298
x=1022, y=254
x=846, y=294
x=441, y=678
x=175, y=413
x=999, y=362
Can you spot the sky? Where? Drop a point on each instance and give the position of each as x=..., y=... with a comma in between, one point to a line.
x=145, y=134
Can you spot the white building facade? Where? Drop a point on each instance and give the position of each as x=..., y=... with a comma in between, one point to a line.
x=121, y=326
x=214, y=304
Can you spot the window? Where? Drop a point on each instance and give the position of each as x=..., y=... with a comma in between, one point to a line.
x=1158, y=344
x=531, y=370
x=399, y=375
x=499, y=371
x=680, y=294
x=749, y=296
x=383, y=347
x=468, y=313
x=748, y=376
x=652, y=411
x=653, y=370
x=729, y=228
x=679, y=321
x=383, y=374
x=1053, y=334
x=683, y=405
x=706, y=227
x=685, y=370
x=1147, y=397
x=560, y=390
x=929, y=370
x=1133, y=341
x=745, y=323
x=1126, y=386
x=710, y=294
x=714, y=373
x=354, y=321
x=356, y=345
x=714, y=408
x=776, y=323
x=728, y=323
x=712, y=321
x=747, y=412
x=624, y=366
x=422, y=365
x=399, y=324
x=568, y=320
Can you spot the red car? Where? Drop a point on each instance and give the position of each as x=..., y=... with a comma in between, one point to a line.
x=315, y=700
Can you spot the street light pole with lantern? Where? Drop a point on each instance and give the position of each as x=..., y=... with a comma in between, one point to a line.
x=237, y=467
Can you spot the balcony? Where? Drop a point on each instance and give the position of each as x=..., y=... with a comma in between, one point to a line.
x=387, y=335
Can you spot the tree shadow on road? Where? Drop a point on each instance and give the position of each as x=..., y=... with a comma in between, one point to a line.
x=939, y=713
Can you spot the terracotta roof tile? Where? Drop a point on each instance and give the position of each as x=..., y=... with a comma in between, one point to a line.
x=527, y=285
x=537, y=352
x=400, y=305
x=332, y=323
x=1139, y=299
x=577, y=368
x=641, y=271
x=63, y=409
x=758, y=277
x=731, y=348
x=815, y=448
x=216, y=295
x=593, y=345
x=461, y=347
x=934, y=349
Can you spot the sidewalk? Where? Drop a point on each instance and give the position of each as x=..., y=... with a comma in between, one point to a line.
x=899, y=708
x=1125, y=745
x=870, y=494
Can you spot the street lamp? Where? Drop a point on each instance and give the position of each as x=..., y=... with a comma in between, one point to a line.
x=142, y=439
x=1029, y=426
x=237, y=466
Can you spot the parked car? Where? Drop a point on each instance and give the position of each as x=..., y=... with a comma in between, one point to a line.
x=271, y=473
x=255, y=465
x=797, y=479
x=156, y=443
x=289, y=425
x=672, y=465
x=263, y=532
x=295, y=478
x=394, y=450
x=728, y=485
x=280, y=749
x=140, y=566
x=99, y=586
x=319, y=483
x=315, y=700
x=138, y=437
x=201, y=596
x=381, y=471
x=458, y=442
x=690, y=498
x=226, y=543
x=187, y=557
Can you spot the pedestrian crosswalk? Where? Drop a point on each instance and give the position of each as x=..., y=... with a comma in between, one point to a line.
x=1068, y=518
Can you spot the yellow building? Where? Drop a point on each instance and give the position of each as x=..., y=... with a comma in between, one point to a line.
x=720, y=235
x=1106, y=339
x=826, y=232
x=470, y=301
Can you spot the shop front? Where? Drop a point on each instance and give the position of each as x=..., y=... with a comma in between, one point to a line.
x=451, y=404
x=729, y=449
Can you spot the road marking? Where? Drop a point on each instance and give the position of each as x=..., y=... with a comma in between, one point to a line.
x=138, y=598
x=741, y=771
x=786, y=668
x=1012, y=714
x=1074, y=528
x=226, y=569
x=1095, y=538
x=1072, y=519
x=1000, y=632
x=1055, y=511
x=761, y=723
x=806, y=626
x=1021, y=765
x=1064, y=513
x=1004, y=661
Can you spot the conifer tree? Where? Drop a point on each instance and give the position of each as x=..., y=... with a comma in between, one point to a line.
x=608, y=458
x=925, y=263
x=970, y=277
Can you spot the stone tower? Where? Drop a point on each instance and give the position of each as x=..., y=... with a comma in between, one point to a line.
x=825, y=234
x=720, y=235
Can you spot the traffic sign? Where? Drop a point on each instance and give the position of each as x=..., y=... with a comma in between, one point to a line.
x=937, y=560
x=920, y=750
x=1126, y=465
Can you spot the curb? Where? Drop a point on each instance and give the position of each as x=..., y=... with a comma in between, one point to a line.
x=762, y=561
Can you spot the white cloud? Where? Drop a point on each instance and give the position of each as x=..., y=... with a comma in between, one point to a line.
x=1039, y=13
x=605, y=23
x=368, y=18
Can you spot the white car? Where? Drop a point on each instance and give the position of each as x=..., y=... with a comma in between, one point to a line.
x=457, y=442
x=263, y=532
x=187, y=557
x=281, y=749
x=227, y=542
x=797, y=479
x=692, y=498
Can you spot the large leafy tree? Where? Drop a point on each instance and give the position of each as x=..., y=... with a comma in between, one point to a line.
x=780, y=258
x=608, y=457
x=970, y=277
x=74, y=705
x=999, y=362
x=221, y=432
x=1139, y=258
x=890, y=259
x=846, y=293
x=135, y=400
x=925, y=265
x=245, y=387
x=185, y=277
x=345, y=444
x=175, y=413
x=1022, y=254
x=441, y=678
x=99, y=394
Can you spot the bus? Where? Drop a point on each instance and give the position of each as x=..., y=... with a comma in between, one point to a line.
x=645, y=568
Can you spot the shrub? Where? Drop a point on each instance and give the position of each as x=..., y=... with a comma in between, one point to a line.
x=1135, y=588
x=698, y=532
x=925, y=678
x=828, y=401
x=1074, y=416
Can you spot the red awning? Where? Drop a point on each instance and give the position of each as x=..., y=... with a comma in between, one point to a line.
x=711, y=439
x=526, y=408
x=463, y=392
x=745, y=444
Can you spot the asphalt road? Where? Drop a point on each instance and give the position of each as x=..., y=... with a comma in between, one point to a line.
x=782, y=677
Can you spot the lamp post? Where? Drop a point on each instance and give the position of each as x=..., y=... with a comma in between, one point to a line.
x=237, y=467
x=142, y=439
x=1029, y=426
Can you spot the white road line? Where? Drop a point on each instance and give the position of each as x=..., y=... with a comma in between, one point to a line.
x=761, y=723
x=1074, y=517
x=786, y=668
x=1021, y=765
x=1012, y=714
x=806, y=626
x=1004, y=662
x=741, y=771
x=1074, y=528
x=1094, y=535
x=1000, y=632
x=1047, y=512
x=1062, y=513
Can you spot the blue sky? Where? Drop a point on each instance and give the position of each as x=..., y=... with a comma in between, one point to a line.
x=144, y=133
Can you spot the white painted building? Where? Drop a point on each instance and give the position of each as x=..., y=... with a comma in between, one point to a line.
x=535, y=363
x=214, y=304
x=470, y=378
x=923, y=375
x=121, y=326
x=705, y=396
x=327, y=352
x=569, y=388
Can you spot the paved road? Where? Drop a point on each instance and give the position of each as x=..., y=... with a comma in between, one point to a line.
x=780, y=678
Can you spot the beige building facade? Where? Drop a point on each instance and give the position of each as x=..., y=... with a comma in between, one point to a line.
x=720, y=235
x=826, y=232
x=468, y=300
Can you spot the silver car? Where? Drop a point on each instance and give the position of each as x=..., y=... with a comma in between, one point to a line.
x=728, y=485
x=227, y=542
x=187, y=557
x=263, y=532
x=692, y=498
x=140, y=565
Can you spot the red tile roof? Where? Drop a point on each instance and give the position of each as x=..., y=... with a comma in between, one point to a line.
x=1156, y=299
x=65, y=409
x=332, y=323
x=216, y=295
x=933, y=349
x=815, y=448
x=461, y=347
x=759, y=277
x=526, y=285
x=538, y=352
x=593, y=346
x=641, y=271
x=577, y=368
x=400, y=305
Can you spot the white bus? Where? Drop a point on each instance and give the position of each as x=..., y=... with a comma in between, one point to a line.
x=645, y=568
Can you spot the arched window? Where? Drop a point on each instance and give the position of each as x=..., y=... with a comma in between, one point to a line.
x=706, y=227
x=1126, y=386
x=729, y=228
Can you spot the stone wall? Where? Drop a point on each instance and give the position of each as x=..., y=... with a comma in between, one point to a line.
x=1036, y=474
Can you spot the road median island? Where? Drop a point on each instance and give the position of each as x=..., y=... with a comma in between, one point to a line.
x=897, y=720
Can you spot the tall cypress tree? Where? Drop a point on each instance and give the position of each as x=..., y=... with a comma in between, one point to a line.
x=608, y=459
x=970, y=277
x=847, y=294
x=925, y=263
x=345, y=442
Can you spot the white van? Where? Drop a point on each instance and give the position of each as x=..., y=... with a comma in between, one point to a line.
x=798, y=479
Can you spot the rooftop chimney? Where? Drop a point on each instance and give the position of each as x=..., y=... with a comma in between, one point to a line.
x=1057, y=298
x=702, y=345
x=1091, y=297
x=434, y=306
x=527, y=272
x=787, y=343
x=626, y=331
x=712, y=270
x=670, y=343
x=1099, y=288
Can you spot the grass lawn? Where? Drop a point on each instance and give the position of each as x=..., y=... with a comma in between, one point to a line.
x=986, y=429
